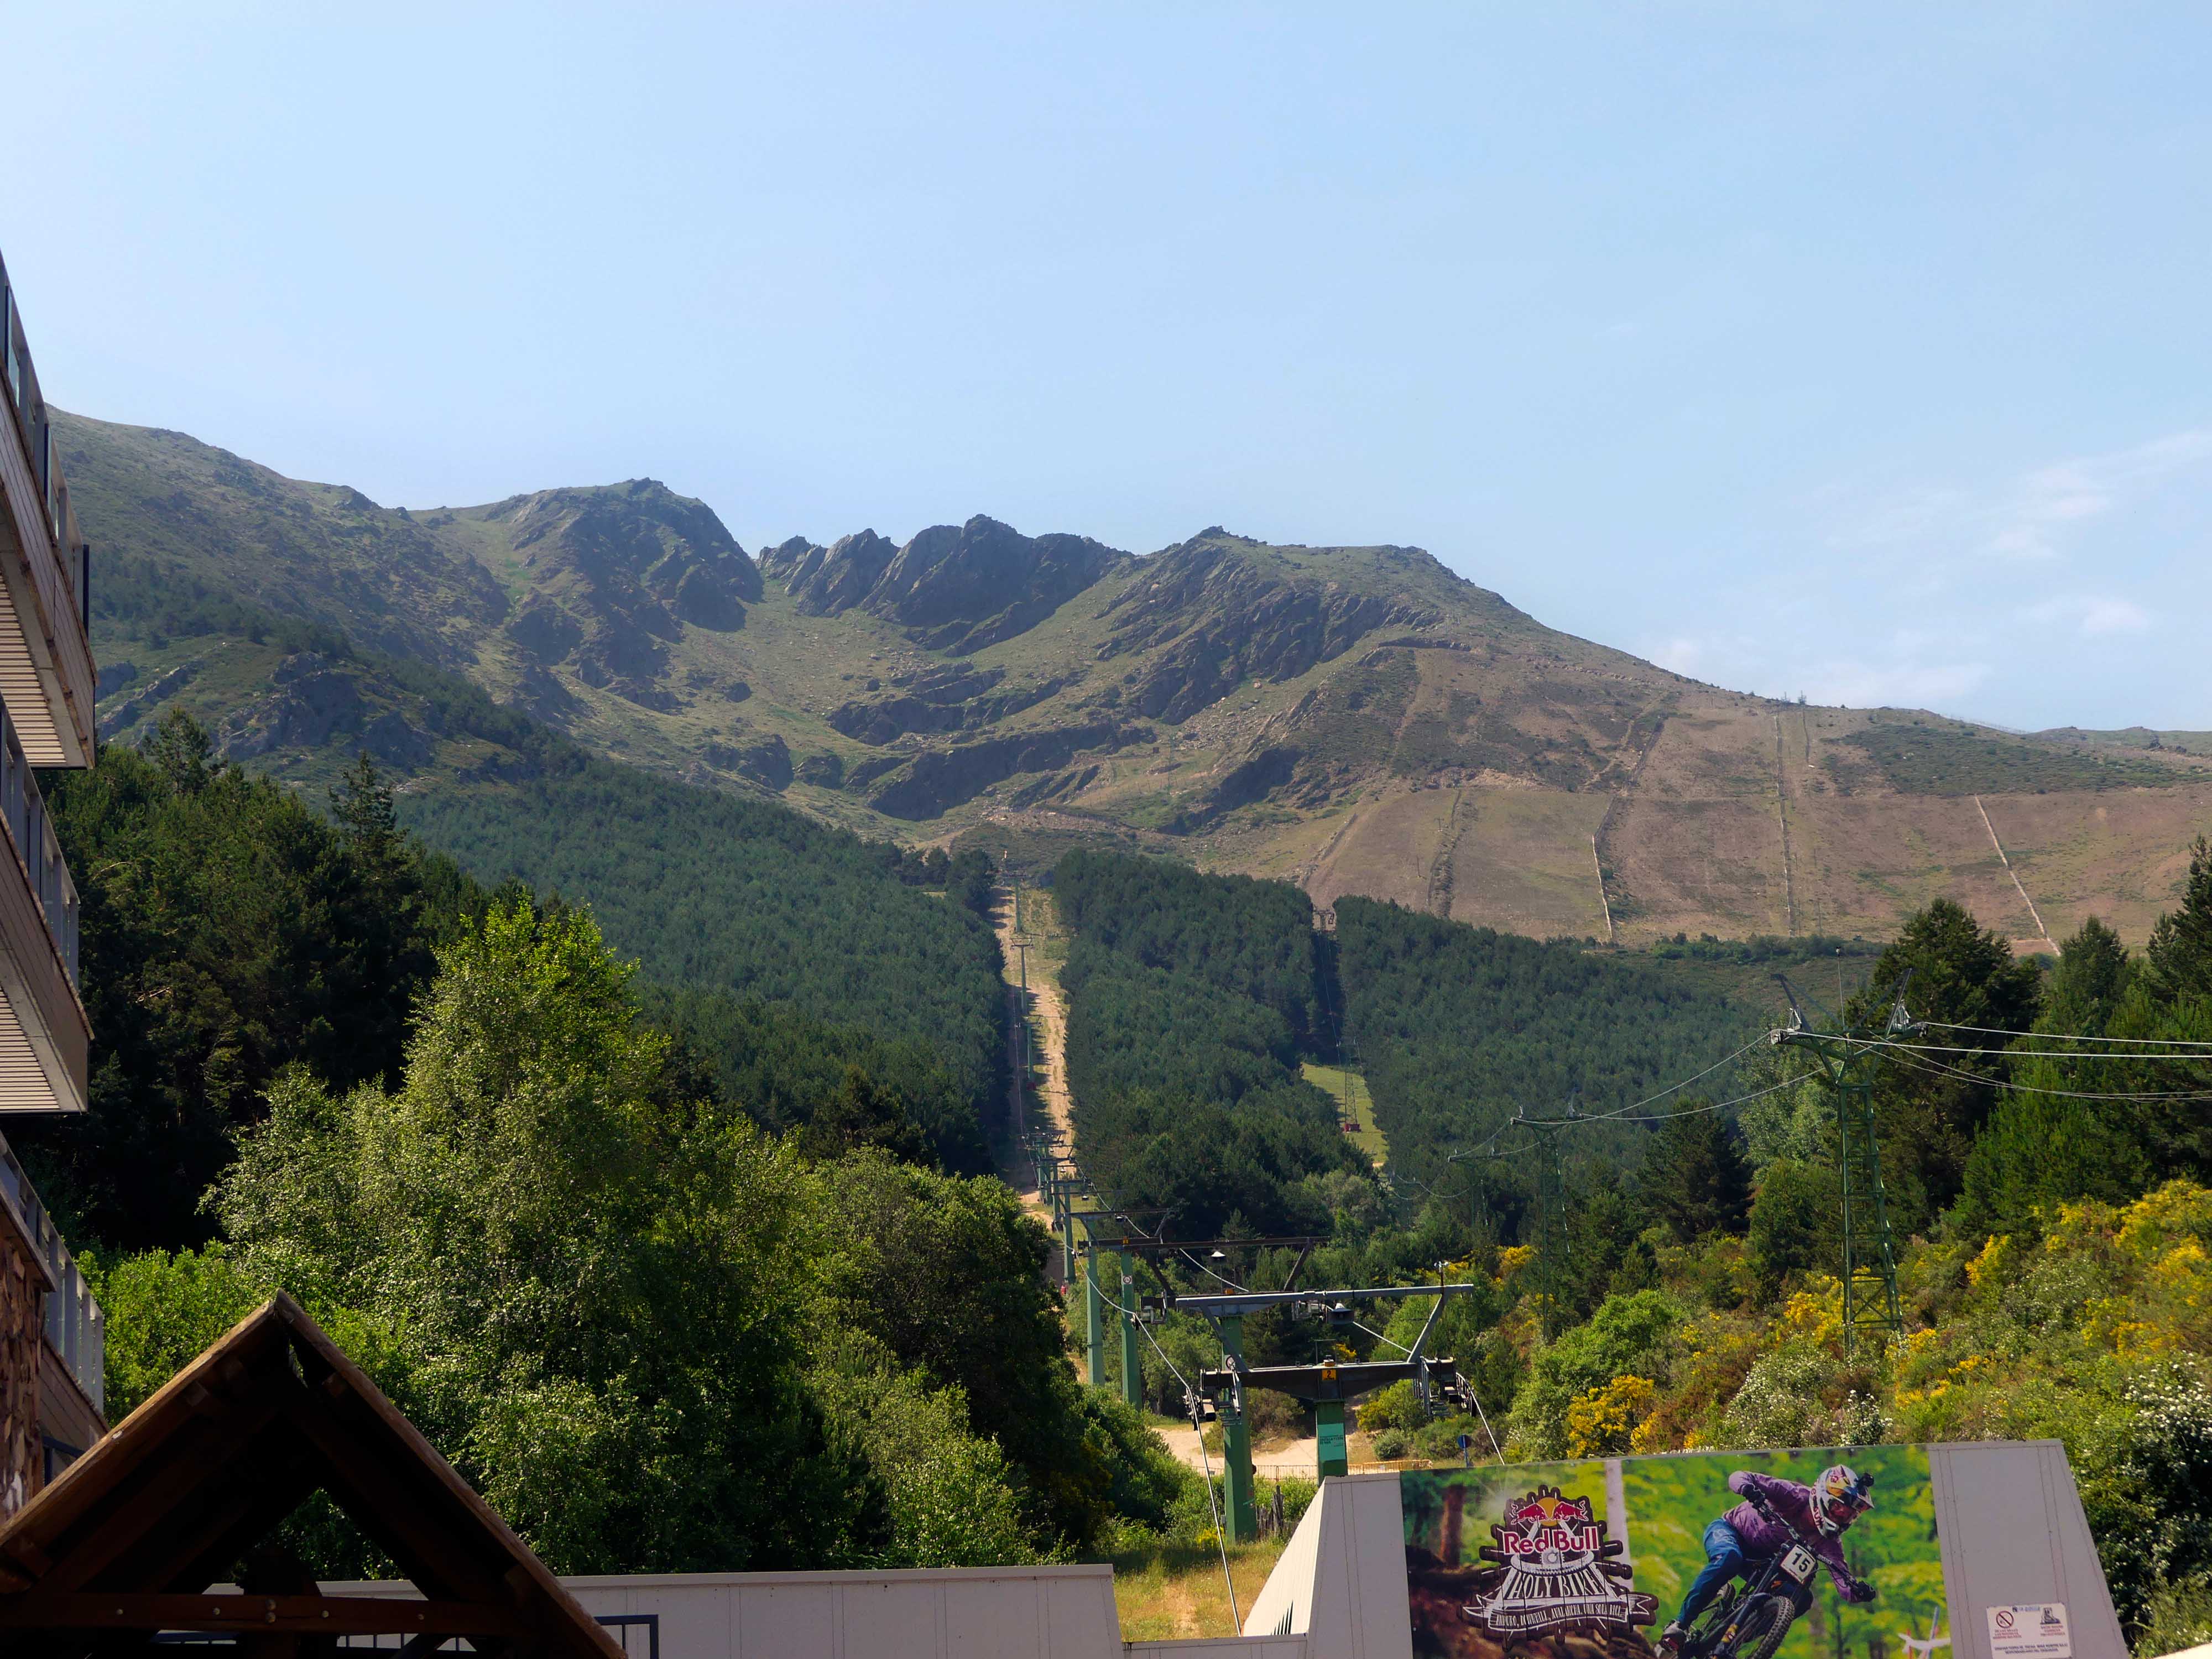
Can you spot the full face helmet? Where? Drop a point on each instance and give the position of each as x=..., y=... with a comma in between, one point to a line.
x=1840, y=1496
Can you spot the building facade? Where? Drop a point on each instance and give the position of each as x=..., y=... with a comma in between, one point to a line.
x=51, y=1336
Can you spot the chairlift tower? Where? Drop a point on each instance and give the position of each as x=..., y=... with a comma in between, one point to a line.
x=1848, y=1062
x=1552, y=1241
x=1480, y=1219
x=1327, y=1386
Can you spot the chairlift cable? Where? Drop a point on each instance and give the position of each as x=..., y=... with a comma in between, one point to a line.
x=1205, y=1463
x=1938, y=1068
x=2068, y=1036
x=2074, y=1056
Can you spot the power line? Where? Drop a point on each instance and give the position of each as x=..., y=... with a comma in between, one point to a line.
x=1206, y=1464
x=1672, y=1088
x=2074, y=1056
x=1620, y=1112
x=1207, y=1271
x=1937, y=1067
x=1659, y=1117
x=2067, y=1036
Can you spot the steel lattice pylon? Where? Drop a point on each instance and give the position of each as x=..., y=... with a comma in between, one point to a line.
x=1551, y=1232
x=1848, y=1063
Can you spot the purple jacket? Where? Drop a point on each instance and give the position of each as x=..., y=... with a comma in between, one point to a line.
x=1762, y=1538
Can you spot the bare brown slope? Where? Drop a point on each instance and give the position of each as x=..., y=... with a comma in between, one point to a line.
x=1357, y=719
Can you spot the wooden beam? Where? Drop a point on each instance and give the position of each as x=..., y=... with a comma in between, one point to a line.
x=82, y=1488
x=434, y=1556
x=188, y=1562
x=129, y=1514
x=326, y=1615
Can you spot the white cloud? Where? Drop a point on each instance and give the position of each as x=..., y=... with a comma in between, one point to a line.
x=2032, y=522
x=1893, y=685
x=2030, y=517
x=2114, y=617
x=2091, y=614
x=1682, y=654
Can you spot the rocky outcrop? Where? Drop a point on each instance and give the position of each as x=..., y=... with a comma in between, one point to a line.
x=1063, y=785
x=766, y=761
x=936, y=780
x=616, y=575
x=312, y=702
x=147, y=698
x=825, y=580
x=1222, y=617
x=1250, y=780
x=954, y=589
x=945, y=700
x=958, y=590
x=778, y=563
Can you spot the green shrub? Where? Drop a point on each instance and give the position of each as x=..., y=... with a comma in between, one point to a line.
x=1394, y=1408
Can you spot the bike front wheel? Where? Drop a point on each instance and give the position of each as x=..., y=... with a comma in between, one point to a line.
x=1764, y=1623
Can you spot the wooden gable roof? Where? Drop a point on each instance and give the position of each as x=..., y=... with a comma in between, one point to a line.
x=128, y=1540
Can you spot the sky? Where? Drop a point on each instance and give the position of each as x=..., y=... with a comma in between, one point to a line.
x=1862, y=351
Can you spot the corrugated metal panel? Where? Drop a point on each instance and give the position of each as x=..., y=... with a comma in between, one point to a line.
x=45, y=1039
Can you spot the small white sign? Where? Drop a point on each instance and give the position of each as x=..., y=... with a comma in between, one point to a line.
x=2036, y=1632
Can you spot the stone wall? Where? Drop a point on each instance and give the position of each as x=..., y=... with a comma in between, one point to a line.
x=23, y=1342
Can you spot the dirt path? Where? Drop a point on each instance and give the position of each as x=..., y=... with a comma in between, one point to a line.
x=1046, y=1015
x=2005, y=859
x=1782, y=816
x=1297, y=1458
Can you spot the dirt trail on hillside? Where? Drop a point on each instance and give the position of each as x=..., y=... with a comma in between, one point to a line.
x=1293, y=1459
x=1048, y=1021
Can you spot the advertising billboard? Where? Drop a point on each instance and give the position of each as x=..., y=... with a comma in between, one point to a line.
x=1578, y=1560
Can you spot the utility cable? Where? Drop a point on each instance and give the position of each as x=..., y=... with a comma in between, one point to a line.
x=1638, y=1105
x=1490, y=1140
x=1205, y=1463
x=1471, y=1393
x=1938, y=1068
x=1207, y=1271
x=2069, y=1036
x=1662, y=1117
x=2073, y=1055
x=1379, y=1337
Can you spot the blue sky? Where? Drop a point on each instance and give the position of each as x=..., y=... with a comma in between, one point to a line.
x=1861, y=351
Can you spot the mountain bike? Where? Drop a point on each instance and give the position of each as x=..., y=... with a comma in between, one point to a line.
x=1749, y=1618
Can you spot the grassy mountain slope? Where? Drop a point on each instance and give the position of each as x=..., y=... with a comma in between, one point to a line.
x=1359, y=720
x=734, y=898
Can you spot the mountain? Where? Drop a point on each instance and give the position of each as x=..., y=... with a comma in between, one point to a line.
x=1359, y=719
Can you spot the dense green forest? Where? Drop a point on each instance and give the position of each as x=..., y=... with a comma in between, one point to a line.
x=656, y=1337
x=681, y=1279
x=690, y=1270
x=229, y=930
x=717, y=894
x=2051, y=1192
x=1458, y=1028
x=1190, y=1000
x=1251, y=940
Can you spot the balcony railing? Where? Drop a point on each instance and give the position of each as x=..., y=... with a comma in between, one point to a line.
x=46, y=647
x=36, y=428
x=75, y=1328
x=24, y=810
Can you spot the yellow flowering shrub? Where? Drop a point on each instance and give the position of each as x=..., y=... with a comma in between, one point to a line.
x=1602, y=1423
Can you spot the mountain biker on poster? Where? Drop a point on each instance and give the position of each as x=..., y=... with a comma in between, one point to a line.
x=1776, y=1517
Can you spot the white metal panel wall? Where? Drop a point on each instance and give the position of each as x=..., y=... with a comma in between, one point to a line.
x=971, y=1613
x=2010, y=1525
x=1350, y=1602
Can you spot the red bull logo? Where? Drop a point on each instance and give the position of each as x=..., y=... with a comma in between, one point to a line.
x=1550, y=1524
x=1556, y=1569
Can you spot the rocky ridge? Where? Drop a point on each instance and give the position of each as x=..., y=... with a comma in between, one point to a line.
x=1357, y=719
